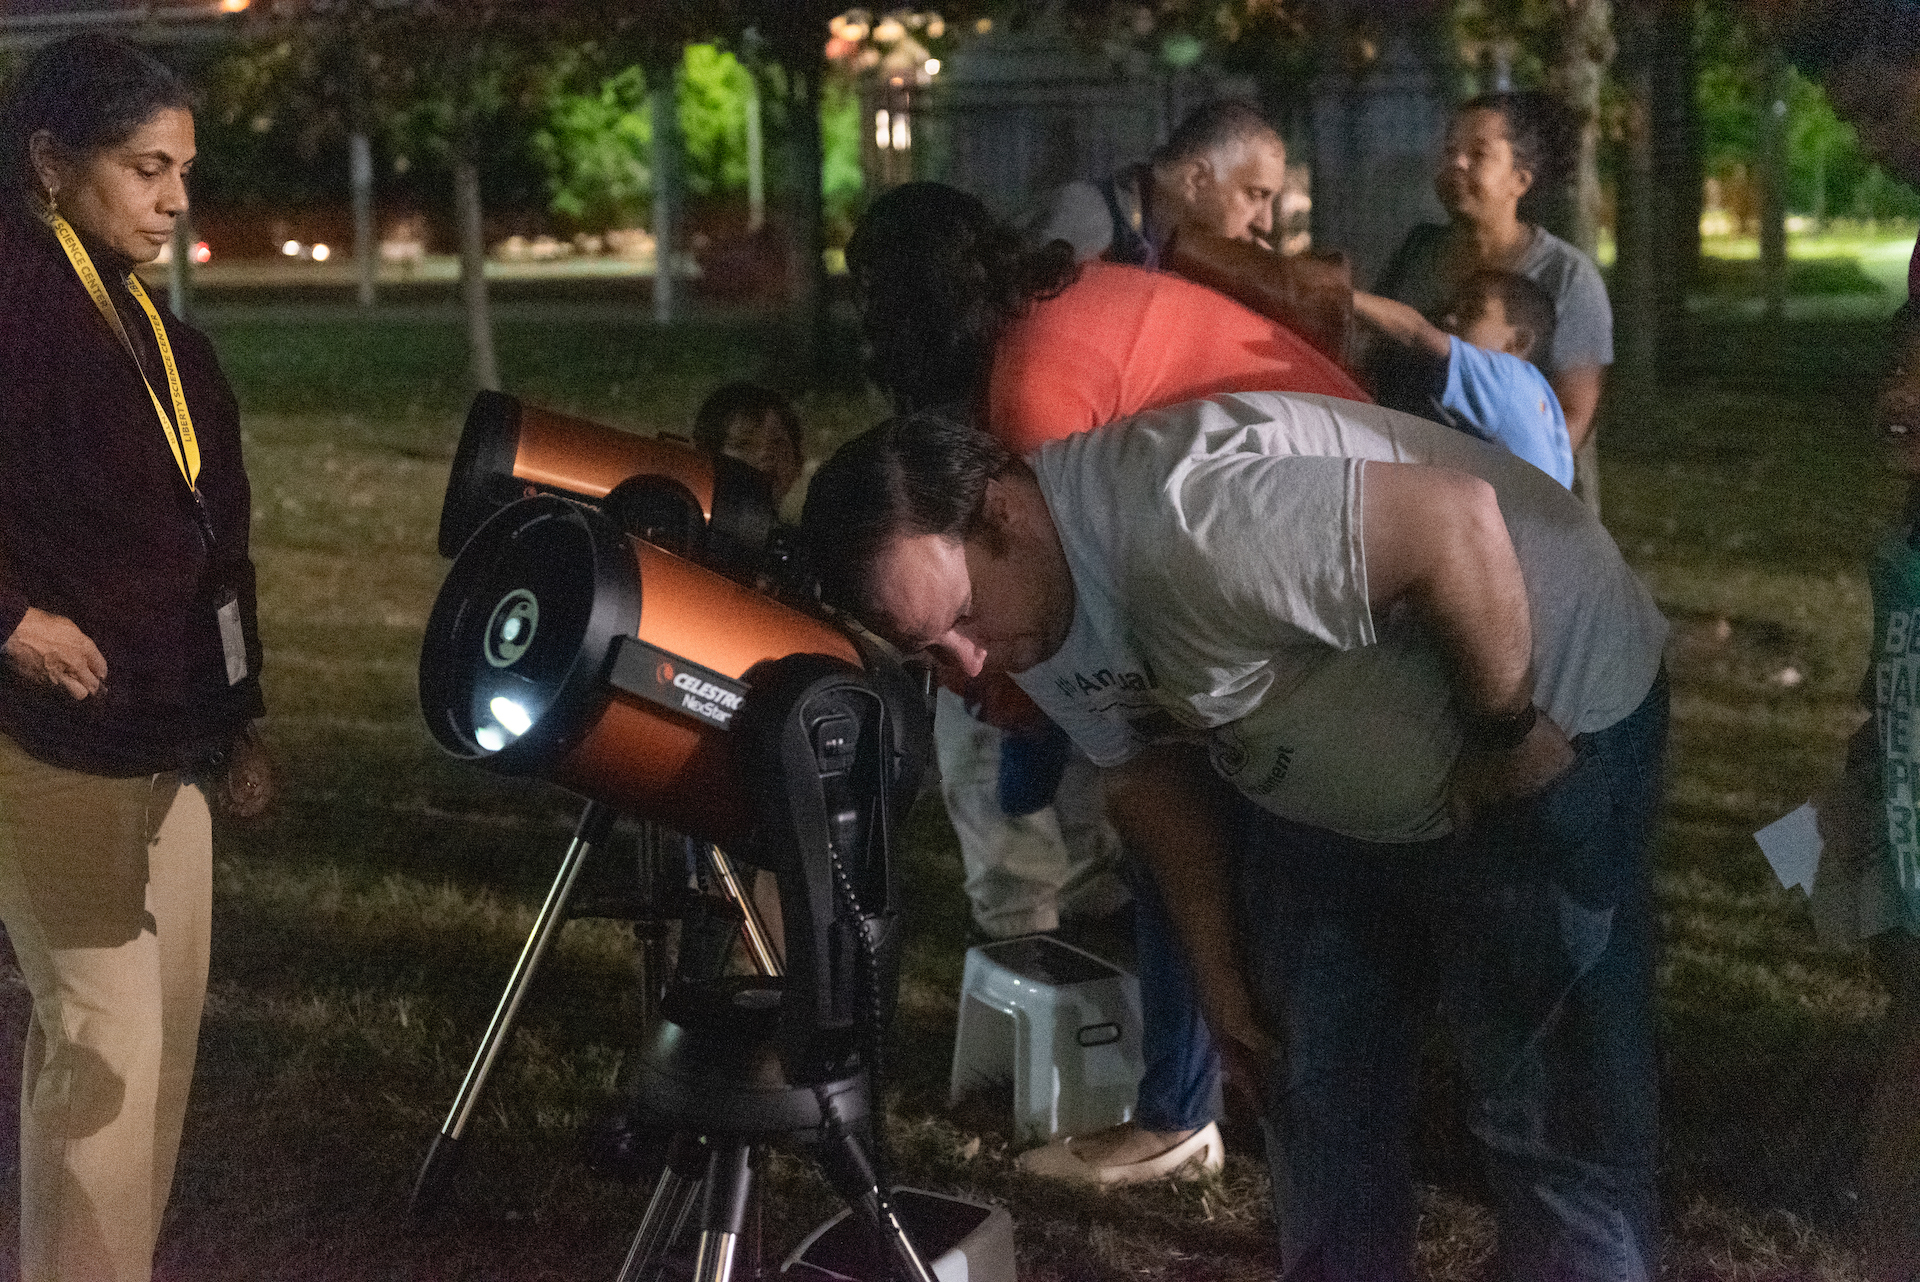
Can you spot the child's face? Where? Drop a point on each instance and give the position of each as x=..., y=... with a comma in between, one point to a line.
x=1897, y=409
x=1485, y=324
x=764, y=444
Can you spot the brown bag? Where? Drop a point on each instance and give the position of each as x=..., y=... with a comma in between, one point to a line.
x=1311, y=294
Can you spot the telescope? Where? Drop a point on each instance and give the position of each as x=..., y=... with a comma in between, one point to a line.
x=716, y=508
x=562, y=646
x=568, y=645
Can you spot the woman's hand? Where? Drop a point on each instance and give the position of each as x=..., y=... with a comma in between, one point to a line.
x=51, y=650
x=248, y=787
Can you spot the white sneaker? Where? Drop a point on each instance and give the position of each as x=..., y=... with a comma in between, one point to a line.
x=1200, y=1152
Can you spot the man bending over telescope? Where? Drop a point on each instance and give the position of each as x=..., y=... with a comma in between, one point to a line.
x=1435, y=688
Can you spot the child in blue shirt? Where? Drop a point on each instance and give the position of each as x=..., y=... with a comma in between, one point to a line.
x=1475, y=374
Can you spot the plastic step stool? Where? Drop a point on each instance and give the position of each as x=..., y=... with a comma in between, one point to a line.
x=1062, y=1023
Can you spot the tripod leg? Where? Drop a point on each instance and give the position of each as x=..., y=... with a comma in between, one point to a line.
x=437, y=1171
x=723, y=1209
x=673, y=1195
x=843, y=1155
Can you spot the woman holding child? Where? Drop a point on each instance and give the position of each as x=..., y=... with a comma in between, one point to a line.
x=1501, y=150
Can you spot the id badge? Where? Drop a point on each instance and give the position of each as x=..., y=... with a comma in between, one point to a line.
x=233, y=637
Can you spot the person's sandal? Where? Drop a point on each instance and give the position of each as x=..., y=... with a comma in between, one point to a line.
x=1200, y=1152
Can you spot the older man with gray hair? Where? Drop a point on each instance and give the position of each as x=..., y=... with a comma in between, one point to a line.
x=1219, y=173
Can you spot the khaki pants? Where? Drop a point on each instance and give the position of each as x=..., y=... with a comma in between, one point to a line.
x=1024, y=872
x=106, y=891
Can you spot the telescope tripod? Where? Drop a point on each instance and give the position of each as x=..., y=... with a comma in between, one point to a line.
x=740, y=1062
x=717, y=1083
x=736, y=1063
x=589, y=835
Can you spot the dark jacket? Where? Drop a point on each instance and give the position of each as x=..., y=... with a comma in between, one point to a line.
x=97, y=524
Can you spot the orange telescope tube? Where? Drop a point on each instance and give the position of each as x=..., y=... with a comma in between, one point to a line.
x=564, y=648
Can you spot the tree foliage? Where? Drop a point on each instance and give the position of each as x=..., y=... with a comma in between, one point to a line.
x=1828, y=173
x=594, y=140
x=594, y=135
x=714, y=88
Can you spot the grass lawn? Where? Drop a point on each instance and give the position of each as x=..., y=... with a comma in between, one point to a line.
x=363, y=933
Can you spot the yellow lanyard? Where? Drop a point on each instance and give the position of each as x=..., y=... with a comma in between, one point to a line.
x=185, y=446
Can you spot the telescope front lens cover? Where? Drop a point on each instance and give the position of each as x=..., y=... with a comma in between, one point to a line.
x=526, y=616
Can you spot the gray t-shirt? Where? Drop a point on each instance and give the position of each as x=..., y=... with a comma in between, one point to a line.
x=1582, y=316
x=1221, y=597
x=1109, y=217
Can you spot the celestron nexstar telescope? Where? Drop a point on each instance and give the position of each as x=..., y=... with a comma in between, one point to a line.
x=565, y=646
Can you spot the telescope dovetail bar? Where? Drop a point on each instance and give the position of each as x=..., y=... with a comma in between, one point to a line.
x=676, y=682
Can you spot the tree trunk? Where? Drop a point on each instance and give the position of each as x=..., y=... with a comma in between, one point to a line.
x=806, y=272
x=180, y=269
x=664, y=113
x=1586, y=47
x=756, y=154
x=360, y=165
x=1634, y=293
x=1678, y=174
x=481, y=364
x=1773, y=183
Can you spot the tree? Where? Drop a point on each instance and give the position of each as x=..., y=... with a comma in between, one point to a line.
x=316, y=77
x=795, y=35
x=1657, y=196
x=471, y=60
x=595, y=140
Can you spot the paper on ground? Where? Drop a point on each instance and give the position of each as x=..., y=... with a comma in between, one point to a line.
x=1792, y=845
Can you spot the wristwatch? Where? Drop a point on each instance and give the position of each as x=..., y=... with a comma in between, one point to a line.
x=1502, y=733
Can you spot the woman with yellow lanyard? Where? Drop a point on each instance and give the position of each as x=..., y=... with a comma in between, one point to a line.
x=130, y=682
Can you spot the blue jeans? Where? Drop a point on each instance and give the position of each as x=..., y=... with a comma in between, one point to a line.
x=1181, y=1084
x=1534, y=936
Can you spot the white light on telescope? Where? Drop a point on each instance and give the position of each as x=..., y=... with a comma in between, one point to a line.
x=511, y=715
x=902, y=133
x=490, y=738
x=320, y=253
x=882, y=136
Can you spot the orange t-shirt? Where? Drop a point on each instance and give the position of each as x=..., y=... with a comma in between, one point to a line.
x=1121, y=340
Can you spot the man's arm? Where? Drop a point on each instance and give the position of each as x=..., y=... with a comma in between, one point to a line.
x=1402, y=324
x=1578, y=388
x=1435, y=538
x=1166, y=805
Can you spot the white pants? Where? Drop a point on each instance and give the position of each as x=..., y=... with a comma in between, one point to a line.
x=1024, y=872
x=106, y=892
